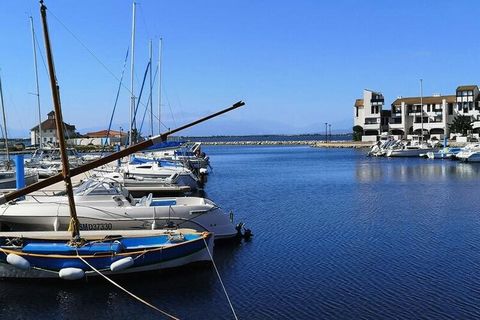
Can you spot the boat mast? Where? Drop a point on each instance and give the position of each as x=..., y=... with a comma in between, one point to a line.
x=421, y=104
x=4, y=124
x=37, y=93
x=132, y=63
x=159, y=85
x=151, y=102
x=74, y=224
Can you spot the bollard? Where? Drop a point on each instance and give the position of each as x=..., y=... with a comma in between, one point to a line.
x=19, y=171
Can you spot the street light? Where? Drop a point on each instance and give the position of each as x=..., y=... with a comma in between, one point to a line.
x=330, y=131
x=326, y=124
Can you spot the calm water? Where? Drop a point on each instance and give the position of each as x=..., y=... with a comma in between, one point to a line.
x=337, y=236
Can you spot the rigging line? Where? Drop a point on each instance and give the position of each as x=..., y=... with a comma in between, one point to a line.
x=90, y=51
x=125, y=290
x=40, y=51
x=220, y=278
x=139, y=5
x=134, y=124
x=116, y=101
x=149, y=99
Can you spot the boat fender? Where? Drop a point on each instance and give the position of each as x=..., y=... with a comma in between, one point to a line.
x=18, y=261
x=71, y=273
x=122, y=264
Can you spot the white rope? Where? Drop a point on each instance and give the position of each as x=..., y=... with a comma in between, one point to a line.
x=220, y=278
x=128, y=292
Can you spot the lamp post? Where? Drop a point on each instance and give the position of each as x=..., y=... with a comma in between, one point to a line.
x=326, y=124
x=330, y=131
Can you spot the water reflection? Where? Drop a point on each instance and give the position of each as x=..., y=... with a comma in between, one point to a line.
x=403, y=170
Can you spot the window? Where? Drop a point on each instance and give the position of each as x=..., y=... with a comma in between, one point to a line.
x=356, y=112
x=450, y=108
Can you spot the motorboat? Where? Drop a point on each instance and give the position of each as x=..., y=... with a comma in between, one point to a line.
x=191, y=157
x=469, y=153
x=46, y=161
x=155, y=170
x=140, y=186
x=8, y=178
x=445, y=153
x=103, y=204
x=409, y=149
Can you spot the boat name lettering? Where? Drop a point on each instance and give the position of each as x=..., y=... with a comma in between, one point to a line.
x=96, y=226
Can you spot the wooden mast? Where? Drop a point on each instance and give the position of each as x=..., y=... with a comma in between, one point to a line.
x=74, y=224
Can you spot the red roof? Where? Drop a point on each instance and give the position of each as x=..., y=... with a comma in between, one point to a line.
x=103, y=134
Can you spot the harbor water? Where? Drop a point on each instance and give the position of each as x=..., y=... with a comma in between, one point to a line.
x=337, y=235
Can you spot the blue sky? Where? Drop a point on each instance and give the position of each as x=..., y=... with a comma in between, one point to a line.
x=297, y=64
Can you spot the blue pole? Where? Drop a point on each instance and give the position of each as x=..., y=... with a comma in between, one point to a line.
x=117, y=148
x=19, y=171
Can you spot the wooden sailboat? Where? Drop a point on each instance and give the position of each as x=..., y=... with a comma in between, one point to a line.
x=74, y=255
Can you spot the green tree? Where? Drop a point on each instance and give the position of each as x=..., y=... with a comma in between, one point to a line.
x=357, y=133
x=460, y=124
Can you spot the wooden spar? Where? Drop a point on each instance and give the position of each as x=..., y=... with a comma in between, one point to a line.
x=74, y=224
x=112, y=157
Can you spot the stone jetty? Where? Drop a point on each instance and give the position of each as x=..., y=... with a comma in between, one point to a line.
x=312, y=143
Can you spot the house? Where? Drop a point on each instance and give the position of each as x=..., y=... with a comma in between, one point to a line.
x=468, y=104
x=368, y=114
x=100, y=138
x=406, y=116
x=49, y=131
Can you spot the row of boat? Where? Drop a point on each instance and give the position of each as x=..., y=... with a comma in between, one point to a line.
x=430, y=150
x=100, y=227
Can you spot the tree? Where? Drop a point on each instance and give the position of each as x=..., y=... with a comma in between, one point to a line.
x=357, y=133
x=460, y=124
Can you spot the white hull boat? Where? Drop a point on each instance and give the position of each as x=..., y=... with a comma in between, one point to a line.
x=103, y=204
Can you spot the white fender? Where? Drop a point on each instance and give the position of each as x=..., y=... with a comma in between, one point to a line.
x=18, y=261
x=122, y=264
x=71, y=273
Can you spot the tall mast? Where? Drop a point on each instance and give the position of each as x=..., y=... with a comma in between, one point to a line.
x=4, y=124
x=159, y=85
x=132, y=75
x=37, y=93
x=421, y=104
x=74, y=224
x=151, y=102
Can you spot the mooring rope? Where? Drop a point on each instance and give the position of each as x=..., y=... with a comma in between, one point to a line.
x=220, y=278
x=126, y=291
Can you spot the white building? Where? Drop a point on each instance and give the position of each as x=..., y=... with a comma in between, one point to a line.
x=369, y=115
x=406, y=116
x=468, y=104
x=49, y=131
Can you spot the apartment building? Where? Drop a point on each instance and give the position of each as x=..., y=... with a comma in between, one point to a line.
x=468, y=104
x=370, y=116
x=412, y=114
x=408, y=115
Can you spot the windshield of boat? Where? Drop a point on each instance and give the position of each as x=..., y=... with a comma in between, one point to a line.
x=98, y=187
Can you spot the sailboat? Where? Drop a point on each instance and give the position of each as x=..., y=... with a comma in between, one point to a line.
x=73, y=255
x=7, y=174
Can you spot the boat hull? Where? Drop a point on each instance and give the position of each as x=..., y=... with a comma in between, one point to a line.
x=145, y=259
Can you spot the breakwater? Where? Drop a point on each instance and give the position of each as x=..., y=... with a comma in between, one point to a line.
x=312, y=143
